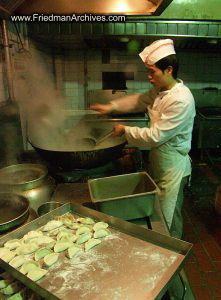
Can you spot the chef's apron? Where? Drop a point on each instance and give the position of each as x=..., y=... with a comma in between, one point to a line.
x=169, y=166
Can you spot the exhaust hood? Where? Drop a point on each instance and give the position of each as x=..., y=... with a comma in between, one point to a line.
x=126, y=7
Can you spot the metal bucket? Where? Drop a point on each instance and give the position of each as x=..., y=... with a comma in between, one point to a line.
x=47, y=207
x=29, y=180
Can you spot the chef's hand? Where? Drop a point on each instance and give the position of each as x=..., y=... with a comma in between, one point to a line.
x=118, y=130
x=102, y=108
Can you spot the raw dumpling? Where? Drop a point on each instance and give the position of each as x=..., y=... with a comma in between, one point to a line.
x=67, y=221
x=12, y=288
x=6, y=280
x=40, y=253
x=46, y=241
x=9, y=255
x=28, y=266
x=91, y=243
x=32, y=234
x=86, y=221
x=36, y=274
x=73, y=225
x=83, y=229
x=21, y=295
x=72, y=251
x=100, y=225
x=83, y=238
x=17, y=261
x=52, y=225
x=101, y=233
x=67, y=217
x=61, y=246
x=66, y=235
x=3, y=251
x=55, y=231
x=50, y=259
x=12, y=244
x=27, y=249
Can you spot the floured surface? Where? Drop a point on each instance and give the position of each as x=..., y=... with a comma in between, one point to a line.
x=120, y=268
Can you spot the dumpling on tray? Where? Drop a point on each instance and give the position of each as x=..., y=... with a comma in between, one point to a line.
x=61, y=246
x=52, y=225
x=100, y=225
x=36, y=274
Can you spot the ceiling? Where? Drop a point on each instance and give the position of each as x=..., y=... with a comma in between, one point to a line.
x=127, y=7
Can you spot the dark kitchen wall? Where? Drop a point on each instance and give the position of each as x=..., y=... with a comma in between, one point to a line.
x=2, y=92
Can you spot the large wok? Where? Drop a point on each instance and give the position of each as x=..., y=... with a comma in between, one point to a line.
x=62, y=149
x=70, y=160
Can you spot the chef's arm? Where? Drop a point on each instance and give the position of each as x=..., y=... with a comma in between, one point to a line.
x=125, y=104
x=172, y=121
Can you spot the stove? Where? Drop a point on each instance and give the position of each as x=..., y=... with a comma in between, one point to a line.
x=130, y=161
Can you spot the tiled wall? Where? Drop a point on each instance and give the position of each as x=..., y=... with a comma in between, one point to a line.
x=79, y=73
x=73, y=79
x=74, y=72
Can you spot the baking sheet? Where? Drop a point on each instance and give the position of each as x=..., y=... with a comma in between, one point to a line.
x=131, y=263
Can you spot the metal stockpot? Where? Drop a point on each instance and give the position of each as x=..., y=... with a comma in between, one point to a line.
x=29, y=180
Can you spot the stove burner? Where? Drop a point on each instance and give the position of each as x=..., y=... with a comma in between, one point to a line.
x=131, y=161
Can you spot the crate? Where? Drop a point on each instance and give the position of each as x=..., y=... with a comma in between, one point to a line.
x=129, y=196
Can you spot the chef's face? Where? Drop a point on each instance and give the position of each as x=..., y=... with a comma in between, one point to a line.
x=157, y=77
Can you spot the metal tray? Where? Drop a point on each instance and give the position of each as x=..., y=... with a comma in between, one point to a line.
x=131, y=263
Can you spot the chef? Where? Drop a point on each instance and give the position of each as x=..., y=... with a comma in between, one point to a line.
x=171, y=109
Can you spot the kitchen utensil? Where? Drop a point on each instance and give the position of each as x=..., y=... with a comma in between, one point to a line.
x=103, y=138
x=47, y=207
x=29, y=180
x=14, y=210
x=93, y=142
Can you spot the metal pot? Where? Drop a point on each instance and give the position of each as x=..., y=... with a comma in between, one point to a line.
x=47, y=207
x=15, y=208
x=29, y=180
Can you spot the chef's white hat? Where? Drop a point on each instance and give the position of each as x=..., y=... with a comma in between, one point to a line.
x=157, y=50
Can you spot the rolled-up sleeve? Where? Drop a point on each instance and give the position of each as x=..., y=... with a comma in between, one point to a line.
x=133, y=103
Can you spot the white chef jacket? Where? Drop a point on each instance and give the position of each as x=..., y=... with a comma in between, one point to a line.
x=176, y=109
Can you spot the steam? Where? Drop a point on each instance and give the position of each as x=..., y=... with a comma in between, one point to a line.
x=43, y=108
x=46, y=123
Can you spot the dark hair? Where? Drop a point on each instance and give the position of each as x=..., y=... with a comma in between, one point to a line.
x=170, y=60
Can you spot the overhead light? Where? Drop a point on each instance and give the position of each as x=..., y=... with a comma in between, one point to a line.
x=121, y=6
x=127, y=7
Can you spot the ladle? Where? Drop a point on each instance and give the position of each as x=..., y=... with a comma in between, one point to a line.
x=90, y=141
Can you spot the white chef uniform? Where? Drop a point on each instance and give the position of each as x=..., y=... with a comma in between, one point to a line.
x=171, y=115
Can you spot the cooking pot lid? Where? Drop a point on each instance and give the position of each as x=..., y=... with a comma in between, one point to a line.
x=22, y=173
